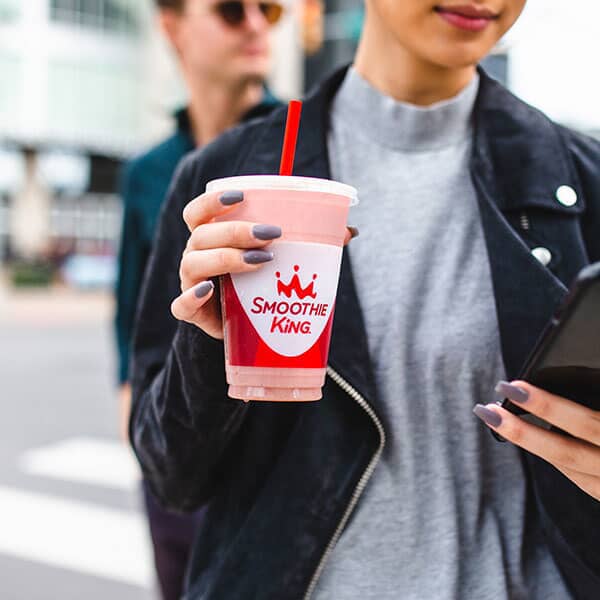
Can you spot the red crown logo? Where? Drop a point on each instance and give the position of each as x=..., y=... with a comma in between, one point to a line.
x=295, y=286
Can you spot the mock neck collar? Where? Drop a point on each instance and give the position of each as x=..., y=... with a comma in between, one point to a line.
x=400, y=125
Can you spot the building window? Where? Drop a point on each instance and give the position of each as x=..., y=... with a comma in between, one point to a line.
x=90, y=223
x=105, y=15
x=4, y=226
x=77, y=106
x=9, y=10
x=11, y=72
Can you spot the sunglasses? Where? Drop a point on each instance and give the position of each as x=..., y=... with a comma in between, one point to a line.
x=233, y=12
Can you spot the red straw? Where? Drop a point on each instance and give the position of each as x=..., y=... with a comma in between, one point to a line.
x=291, y=136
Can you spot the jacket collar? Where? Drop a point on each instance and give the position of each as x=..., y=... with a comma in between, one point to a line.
x=519, y=161
x=515, y=142
x=512, y=140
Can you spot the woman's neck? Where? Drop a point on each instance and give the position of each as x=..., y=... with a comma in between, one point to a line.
x=394, y=71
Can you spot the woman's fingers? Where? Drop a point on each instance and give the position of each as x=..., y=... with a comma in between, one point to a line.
x=197, y=306
x=207, y=206
x=232, y=234
x=204, y=208
x=572, y=417
x=241, y=234
x=198, y=265
x=185, y=306
x=351, y=233
x=558, y=449
x=577, y=455
x=218, y=248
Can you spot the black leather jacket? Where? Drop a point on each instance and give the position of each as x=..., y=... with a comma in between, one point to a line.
x=282, y=479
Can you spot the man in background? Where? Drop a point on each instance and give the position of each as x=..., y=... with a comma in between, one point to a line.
x=223, y=50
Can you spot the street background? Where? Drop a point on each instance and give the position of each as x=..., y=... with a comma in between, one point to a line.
x=85, y=86
x=70, y=520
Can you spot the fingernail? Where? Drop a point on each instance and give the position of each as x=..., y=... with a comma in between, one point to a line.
x=487, y=416
x=233, y=197
x=512, y=392
x=266, y=232
x=353, y=232
x=202, y=289
x=255, y=257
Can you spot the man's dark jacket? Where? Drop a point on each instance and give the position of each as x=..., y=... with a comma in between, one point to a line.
x=282, y=479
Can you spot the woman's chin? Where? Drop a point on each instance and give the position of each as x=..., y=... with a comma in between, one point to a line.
x=457, y=58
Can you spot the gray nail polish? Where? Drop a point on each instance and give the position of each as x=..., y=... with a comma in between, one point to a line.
x=487, y=416
x=202, y=289
x=232, y=197
x=266, y=232
x=512, y=392
x=255, y=257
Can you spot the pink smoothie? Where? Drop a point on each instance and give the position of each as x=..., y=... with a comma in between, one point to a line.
x=277, y=320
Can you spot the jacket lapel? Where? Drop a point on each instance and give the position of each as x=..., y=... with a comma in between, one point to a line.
x=518, y=164
x=526, y=293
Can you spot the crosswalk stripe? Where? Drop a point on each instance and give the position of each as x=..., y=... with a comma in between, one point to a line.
x=95, y=461
x=74, y=535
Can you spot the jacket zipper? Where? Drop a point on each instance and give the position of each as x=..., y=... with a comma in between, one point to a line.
x=362, y=482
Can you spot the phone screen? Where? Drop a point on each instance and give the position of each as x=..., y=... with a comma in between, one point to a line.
x=570, y=365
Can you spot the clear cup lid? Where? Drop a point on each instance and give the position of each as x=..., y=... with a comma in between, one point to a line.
x=283, y=182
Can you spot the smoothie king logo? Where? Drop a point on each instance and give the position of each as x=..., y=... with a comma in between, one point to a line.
x=291, y=317
x=289, y=301
x=294, y=286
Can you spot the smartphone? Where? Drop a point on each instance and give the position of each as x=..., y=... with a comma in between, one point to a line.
x=566, y=359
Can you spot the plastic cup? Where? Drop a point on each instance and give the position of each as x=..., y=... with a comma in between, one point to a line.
x=277, y=320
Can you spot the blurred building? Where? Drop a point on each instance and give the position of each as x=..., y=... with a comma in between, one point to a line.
x=553, y=56
x=86, y=83
x=73, y=80
x=332, y=29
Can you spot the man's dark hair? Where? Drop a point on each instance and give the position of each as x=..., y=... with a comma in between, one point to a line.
x=175, y=4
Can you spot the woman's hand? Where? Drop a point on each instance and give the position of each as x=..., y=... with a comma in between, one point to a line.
x=577, y=457
x=215, y=249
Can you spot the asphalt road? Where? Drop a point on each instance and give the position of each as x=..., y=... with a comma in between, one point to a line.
x=70, y=519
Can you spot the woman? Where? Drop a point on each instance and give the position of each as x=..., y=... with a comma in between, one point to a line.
x=387, y=488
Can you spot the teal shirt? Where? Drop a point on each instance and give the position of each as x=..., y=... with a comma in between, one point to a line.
x=144, y=186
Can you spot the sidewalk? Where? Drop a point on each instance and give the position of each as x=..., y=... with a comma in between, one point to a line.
x=57, y=305
x=75, y=528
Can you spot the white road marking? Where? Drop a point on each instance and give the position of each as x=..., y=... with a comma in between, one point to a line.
x=75, y=535
x=95, y=461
